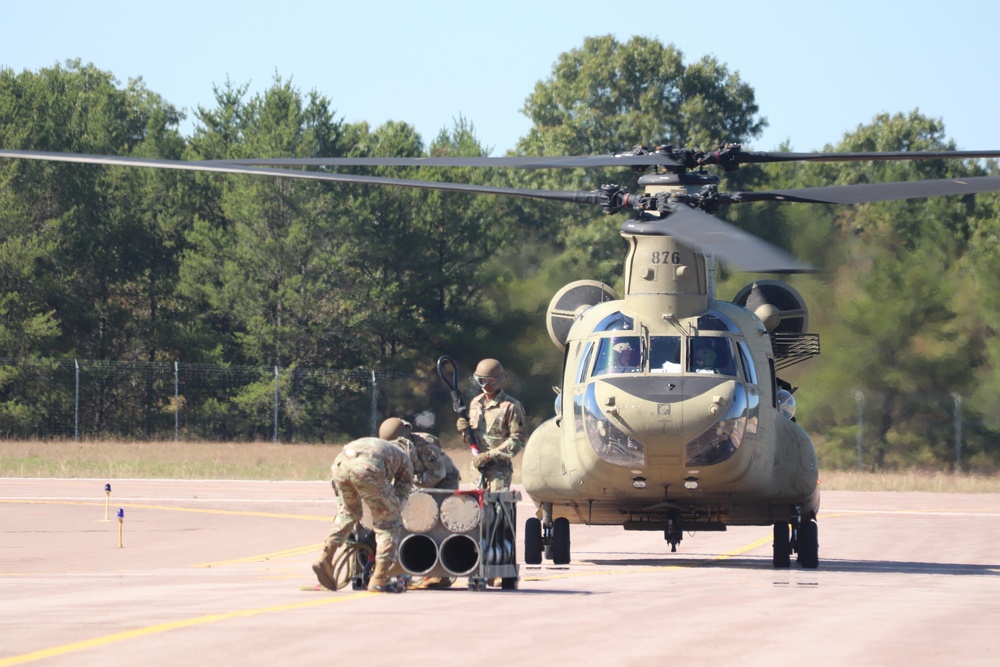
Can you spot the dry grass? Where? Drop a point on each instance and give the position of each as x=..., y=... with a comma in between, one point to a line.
x=269, y=461
x=172, y=460
x=909, y=480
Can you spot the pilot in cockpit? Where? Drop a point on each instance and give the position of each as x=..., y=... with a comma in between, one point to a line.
x=624, y=359
x=711, y=355
x=704, y=357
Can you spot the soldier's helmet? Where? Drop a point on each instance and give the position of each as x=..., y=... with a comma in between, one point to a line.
x=393, y=428
x=490, y=368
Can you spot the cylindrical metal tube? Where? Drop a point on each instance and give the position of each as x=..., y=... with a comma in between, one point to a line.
x=418, y=554
x=459, y=555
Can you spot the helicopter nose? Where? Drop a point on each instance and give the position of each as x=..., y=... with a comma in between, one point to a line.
x=654, y=418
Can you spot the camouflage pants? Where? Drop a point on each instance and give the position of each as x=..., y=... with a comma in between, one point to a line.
x=364, y=479
x=496, y=476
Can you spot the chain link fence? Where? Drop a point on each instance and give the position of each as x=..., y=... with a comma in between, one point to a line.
x=79, y=399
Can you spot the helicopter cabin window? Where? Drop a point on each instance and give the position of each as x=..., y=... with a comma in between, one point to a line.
x=581, y=371
x=665, y=354
x=711, y=354
x=715, y=321
x=748, y=369
x=619, y=354
x=617, y=321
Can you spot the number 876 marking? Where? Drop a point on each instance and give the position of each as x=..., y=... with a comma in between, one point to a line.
x=665, y=257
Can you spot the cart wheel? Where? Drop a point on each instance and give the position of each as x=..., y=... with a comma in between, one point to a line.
x=477, y=584
x=508, y=584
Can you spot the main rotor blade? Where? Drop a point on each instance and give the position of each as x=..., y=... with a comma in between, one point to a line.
x=518, y=162
x=701, y=230
x=862, y=193
x=761, y=157
x=576, y=196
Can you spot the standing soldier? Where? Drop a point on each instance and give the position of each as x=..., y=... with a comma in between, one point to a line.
x=432, y=468
x=498, y=422
x=380, y=474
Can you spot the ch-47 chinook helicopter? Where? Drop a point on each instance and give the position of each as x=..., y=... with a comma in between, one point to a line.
x=671, y=415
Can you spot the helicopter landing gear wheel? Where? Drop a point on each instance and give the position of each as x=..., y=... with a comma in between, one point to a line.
x=533, y=541
x=673, y=533
x=807, y=544
x=560, y=541
x=782, y=545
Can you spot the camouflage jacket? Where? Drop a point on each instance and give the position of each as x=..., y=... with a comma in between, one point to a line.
x=430, y=463
x=498, y=423
x=394, y=460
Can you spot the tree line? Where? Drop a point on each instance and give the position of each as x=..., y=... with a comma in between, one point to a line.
x=118, y=264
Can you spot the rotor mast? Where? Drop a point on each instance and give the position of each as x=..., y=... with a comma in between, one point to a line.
x=665, y=278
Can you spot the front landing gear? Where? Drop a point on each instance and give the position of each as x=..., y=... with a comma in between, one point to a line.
x=804, y=541
x=547, y=536
x=782, y=545
x=807, y=543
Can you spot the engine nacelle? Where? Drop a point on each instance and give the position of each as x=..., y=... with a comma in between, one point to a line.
x=778, y=305
x=569, y=303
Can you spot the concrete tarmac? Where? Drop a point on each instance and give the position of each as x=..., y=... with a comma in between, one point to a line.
x=218, y=572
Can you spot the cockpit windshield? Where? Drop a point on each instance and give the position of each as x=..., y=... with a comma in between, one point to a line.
x=619, y=354
x=665, y=354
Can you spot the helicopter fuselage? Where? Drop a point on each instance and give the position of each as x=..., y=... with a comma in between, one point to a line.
x=670, y=407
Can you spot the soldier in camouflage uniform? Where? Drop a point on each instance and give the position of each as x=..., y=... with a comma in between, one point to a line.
x=498, y=421
x=432, y=468
x=380, y=474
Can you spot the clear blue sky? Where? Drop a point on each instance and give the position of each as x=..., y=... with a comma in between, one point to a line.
x=819, y=69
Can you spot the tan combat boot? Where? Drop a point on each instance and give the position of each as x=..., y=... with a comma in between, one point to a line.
x=381, y=582
x=324, y=566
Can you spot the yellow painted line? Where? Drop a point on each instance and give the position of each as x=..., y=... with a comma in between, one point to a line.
x=170, y=508
x=246, y=613
x=652, y=568
x=96, y=642
x=286, y=553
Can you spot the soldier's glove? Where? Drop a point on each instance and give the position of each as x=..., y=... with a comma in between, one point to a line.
x=462, y=424
x=481, y=460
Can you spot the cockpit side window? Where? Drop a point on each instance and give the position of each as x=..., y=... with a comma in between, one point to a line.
x=619, y=354
x=581, y=371
x=748, y=368
x=665, y=354
x=711, y=354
